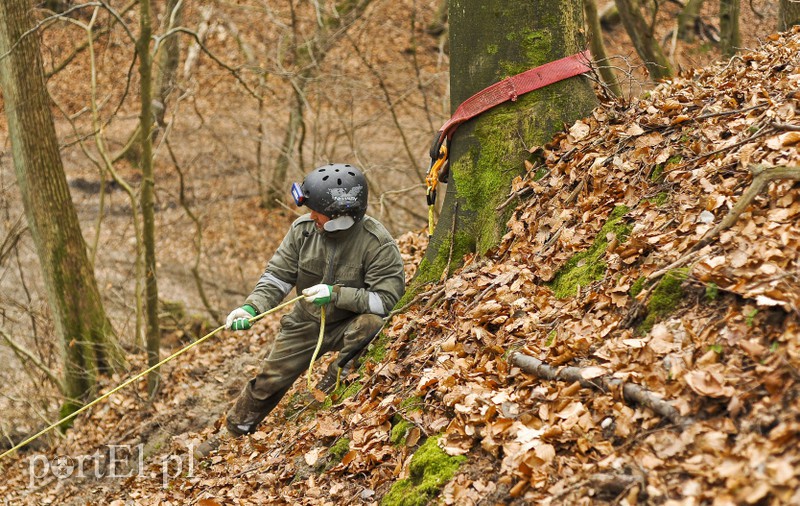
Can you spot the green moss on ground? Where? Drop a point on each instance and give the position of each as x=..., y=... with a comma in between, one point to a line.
x=637, y=287
x=345, y=391
x=665, y=298
x=587, y=266
x=400, y=431
x=660, y=199
x=339, y=450
x=712, y=292
x=376, y=351
x=430, y=469
x=67, y=408
x=657, y=176
x=412, y=404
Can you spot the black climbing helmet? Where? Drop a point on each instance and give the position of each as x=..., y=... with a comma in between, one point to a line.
x=334, y=190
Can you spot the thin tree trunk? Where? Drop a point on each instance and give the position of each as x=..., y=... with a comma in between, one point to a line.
x=729, y=27
x=489, y=41
x=88, y=342
x=153, y=335
x=168, y=58
x=688, y=18
x=598, y=48
x=788, y=14
x=644, y=40
x=276, y=191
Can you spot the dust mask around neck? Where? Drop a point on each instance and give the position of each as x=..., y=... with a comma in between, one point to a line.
x=340, y=223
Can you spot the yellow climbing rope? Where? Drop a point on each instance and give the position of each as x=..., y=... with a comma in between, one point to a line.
x=153, y=368
x=319, y=346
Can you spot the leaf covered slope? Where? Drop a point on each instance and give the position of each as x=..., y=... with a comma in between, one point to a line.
x=637, y=184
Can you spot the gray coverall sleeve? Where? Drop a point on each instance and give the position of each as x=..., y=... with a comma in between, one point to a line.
x=384, y=280
x=279, y=277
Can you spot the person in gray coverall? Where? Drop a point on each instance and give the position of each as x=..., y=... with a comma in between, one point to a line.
x=337, y=257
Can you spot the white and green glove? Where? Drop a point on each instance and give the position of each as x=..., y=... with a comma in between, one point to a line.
x=239, y=319
x=319, y=295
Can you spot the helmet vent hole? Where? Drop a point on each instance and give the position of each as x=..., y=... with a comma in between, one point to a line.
x=340, y=182
x=325, y=178
x=322, y=170
x=353, y=174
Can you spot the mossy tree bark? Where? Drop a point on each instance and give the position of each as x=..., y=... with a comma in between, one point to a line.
x=729, y=27
x=89, y=345
x=788, y=14
x=153, y=332
x=644, y=40
x=488, y=42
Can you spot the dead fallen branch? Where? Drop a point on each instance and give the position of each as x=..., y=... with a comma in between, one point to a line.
x=762, y=177
x=633, y=394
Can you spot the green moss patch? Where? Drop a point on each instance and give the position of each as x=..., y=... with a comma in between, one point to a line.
x=430, y=469
x=637, y=287
x=712, y=292
x=658, y=174
x=412, y=404
x=665, y=298
x=400, y=431
x=659, y=199
x=587, y=266
x=339, y=450
x=345, y=391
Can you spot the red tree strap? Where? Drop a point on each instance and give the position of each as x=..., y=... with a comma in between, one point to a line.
x=511, y=88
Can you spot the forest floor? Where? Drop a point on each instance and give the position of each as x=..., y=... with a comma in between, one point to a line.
x=634, y=186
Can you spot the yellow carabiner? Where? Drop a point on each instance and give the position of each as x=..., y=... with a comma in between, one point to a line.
x=432, y=181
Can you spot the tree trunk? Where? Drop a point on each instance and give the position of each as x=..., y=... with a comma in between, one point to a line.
x=153, y=333
x=688, y=18
x=89, y=345
x=168, y=58
x=644, y=40
x=598, y=48
x=276, y=192
x=788, y=14
x=488, y=42
x=729, y=27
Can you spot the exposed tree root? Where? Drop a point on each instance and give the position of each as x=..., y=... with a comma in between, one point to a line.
x=633, y=394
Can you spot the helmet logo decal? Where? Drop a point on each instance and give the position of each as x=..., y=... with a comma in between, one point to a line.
x=342, y=197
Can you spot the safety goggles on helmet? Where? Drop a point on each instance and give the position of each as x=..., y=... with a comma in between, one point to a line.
x=297, y=194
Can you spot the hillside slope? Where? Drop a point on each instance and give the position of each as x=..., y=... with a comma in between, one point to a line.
x=608, y=204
